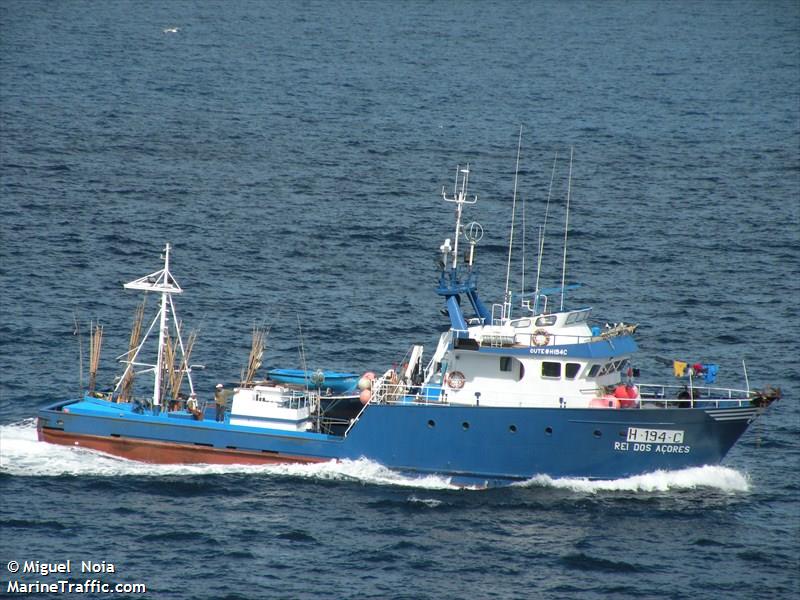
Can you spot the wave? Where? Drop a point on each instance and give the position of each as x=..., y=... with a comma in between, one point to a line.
x=722, y=478
x=21, y=454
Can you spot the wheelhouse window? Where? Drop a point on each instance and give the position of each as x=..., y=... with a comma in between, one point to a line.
x=546, y=321
x=509, y=364
x=571, y=370
x=579, y=316
x=612, y=367
x=608, y=368
x=551, y=370
x=593, y=371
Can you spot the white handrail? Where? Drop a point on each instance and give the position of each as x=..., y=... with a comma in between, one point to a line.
x=386, y=392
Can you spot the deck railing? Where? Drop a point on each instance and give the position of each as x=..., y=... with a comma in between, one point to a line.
x=650, y=396
x=508, y=338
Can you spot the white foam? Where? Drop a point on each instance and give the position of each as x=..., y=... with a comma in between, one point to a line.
x=429, y=502
x=722, y=478
x=21, y=454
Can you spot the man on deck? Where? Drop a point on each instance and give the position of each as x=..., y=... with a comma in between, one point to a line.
x=220, y=399
x=191, y=406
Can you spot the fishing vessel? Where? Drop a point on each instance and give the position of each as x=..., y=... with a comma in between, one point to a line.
x=501, y=399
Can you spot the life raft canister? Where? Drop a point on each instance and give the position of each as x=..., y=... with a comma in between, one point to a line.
x=456, y=380
x=606, y=401
x=540, y=337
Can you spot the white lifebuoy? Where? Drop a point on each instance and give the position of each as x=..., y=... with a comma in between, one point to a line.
x=540, y=337
x=456, y=380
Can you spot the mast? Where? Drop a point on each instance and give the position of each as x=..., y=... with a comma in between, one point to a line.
x=162, y=331
x=460, y=199
x=161, y=282
x=452, y=283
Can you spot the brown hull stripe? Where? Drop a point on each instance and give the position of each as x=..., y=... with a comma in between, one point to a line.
x=169, y=453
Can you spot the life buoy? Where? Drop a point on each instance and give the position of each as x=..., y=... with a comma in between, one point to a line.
x=540, y=338
x=456, y=380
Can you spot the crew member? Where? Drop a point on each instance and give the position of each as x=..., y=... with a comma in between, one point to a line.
x=220, y=398
x=191, y=406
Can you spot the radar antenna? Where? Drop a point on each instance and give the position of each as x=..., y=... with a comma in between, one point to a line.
x=460, y=198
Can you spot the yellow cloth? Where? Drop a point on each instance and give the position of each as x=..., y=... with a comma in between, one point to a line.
x=679, y=367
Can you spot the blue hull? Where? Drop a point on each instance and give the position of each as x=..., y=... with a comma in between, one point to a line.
x=472, y=445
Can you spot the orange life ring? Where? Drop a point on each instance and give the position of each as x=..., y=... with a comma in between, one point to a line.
x=456, y=380
x=540, y=337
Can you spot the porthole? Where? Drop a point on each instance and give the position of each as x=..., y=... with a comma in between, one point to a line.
x=431, y=423
x=597, y=433
x=548, y=430
x=512, y=428
x=465, y=425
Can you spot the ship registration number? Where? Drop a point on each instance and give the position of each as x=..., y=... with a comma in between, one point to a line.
x=658, y=436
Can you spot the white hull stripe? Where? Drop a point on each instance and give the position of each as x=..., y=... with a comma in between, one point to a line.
x=733, y=414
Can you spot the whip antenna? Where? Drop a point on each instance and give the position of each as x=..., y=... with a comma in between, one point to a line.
x=541, y=235
x=507, y=302
x=566, y=230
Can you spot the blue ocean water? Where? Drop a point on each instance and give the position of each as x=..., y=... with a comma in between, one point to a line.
x=294, y=154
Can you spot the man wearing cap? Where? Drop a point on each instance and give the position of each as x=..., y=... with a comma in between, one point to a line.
x=191, y=406
x=220, y=398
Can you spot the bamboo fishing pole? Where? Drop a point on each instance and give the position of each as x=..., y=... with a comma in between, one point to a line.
x=126, y=389
x=77, y=331
x=176, y=380
x=95, y=344
x=255, y=356
x=168, y=381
